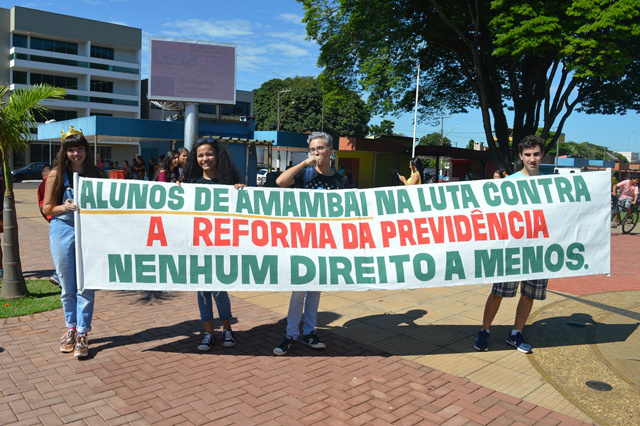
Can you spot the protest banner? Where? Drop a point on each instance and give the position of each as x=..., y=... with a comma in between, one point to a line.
x=136, y=235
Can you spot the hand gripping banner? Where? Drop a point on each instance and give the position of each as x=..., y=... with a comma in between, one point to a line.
x=135, y=235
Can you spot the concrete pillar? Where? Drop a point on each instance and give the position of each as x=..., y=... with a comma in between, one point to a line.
x=190, y=125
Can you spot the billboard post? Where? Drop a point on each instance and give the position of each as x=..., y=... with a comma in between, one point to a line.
x=190, y=124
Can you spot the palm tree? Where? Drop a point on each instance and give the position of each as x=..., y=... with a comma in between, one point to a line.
x=17, y=118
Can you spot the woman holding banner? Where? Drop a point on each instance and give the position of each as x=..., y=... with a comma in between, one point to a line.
x=73, y=157
x=210, y=163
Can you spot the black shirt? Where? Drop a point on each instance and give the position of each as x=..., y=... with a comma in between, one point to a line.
x=309, y=178
x=201, y=179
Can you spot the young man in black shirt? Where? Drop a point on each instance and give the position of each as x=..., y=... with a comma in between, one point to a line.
x=313, y=173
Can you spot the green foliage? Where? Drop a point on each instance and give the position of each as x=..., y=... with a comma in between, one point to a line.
x=301, y=108
x=385, y=128
x=434, y=138
x=471, y=144
x=17, y=117
x=541, y=59
x=589, y=151
x=43, y=296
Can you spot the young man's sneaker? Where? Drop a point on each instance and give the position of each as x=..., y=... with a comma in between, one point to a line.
x=482, y=341
x=228, y=340
x=81, y=349
x=68, y=341
x=206, y=343
x=312, y=341
x=284, y=346
x=517, y=341
x=53, y=279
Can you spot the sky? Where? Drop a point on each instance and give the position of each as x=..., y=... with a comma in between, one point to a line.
x=271, y=40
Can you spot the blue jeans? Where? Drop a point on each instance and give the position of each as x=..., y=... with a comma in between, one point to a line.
x=77, y=305
x=206, y=307
x=309, y=300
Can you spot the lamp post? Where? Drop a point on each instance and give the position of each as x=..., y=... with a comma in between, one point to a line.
x=280, y=91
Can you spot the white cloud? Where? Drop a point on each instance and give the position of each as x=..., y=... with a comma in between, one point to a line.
x=292, y=18
x=288, y=49
x=292, y=36
x=210, y=29
x=92, y=2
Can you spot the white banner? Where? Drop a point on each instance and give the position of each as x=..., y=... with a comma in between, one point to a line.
x=136, y=235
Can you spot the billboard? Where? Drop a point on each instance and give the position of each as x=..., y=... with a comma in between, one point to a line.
x=192, y=71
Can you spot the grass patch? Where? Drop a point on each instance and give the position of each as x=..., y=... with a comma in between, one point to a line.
x=43, y=296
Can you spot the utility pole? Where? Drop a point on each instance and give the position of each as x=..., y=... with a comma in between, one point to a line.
x=280, y=91
x=442, y=129
x=415, y=113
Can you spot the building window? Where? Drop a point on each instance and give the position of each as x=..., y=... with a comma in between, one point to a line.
x=240, y=109
x=102, y=86
x=207, y=109
x=20, y=77
x=40, y=152
x=104, y=152
x=55, y=80
x=20, y=40
x=56, y=114
x=101, y=52
x=100, y=114
x=54, y=46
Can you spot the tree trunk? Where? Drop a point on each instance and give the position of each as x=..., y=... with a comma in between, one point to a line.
x=13, y=284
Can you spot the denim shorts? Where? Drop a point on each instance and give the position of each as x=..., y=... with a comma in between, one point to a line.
x=534, y=289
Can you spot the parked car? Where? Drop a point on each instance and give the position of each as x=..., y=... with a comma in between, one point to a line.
x=261, y=178
x=32, y=171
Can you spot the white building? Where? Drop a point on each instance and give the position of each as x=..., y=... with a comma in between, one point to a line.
x=633, y=157
x=97, y=62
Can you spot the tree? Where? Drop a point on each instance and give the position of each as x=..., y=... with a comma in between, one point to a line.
x=471, y=144
x=435, y=139
x=301, y=108
x=541, y=60
x=385, y=128
x=17, y=118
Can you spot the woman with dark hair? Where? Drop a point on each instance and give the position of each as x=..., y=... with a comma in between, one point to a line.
x=209, y=163
x=416, y=167
x=74, y=156
x=498, y=174
x=168, y=170
x=183, y=153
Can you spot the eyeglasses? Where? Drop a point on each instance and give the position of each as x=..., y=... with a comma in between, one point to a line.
x=318, y=149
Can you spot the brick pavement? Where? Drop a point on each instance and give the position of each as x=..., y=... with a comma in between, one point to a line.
x=144, y=369
x=625, y=270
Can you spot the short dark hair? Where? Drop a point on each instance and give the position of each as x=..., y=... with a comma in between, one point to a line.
x=529, y=142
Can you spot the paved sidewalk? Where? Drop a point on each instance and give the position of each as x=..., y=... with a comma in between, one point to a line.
x=393, y=357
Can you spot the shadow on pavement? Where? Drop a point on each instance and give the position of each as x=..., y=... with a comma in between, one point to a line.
x=375, y=335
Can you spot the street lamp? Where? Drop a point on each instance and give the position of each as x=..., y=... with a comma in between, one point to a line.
x=280, y=91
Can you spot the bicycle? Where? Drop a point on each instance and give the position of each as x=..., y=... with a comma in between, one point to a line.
x=628, y=221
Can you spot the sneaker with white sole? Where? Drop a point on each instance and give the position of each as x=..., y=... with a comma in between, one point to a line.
x=206, y=343
x=517, y=341
x=68, y=341
x=312, y=341
x=482, y=341
x=227, y=338
x=81, y=349
x=284, y=346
